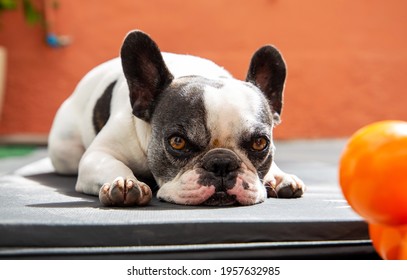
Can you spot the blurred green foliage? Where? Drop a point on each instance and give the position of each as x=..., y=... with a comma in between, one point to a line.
x=31, y=13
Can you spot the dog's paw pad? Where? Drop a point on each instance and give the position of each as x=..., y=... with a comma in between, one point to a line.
x=285, y=191
x=125, y=192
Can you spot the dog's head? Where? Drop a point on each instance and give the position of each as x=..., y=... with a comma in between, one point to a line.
x=211, y=140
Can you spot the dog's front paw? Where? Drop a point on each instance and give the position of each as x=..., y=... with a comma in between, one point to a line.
x=284, y=186
x=125, y=192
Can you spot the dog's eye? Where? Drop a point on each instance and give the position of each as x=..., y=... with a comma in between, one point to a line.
x=259, y=144
x=177, y=143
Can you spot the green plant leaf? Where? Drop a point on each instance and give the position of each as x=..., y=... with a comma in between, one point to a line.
x=8, y=5
x=32, y=15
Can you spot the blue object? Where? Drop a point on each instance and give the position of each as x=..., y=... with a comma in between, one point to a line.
x=52, y=40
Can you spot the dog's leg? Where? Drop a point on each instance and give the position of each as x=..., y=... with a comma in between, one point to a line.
x=103, y=175
x=282, y=185
x=65, y=147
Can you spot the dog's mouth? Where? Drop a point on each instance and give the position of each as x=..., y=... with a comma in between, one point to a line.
x=221, y=199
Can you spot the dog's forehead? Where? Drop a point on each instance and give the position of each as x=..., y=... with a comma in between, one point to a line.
x=234, y=98
x=181, y=107
x=235, y=107
x=197, y=83
x=225, y=107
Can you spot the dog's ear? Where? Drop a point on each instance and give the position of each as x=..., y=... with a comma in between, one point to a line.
x=146, y=73
x=267, y=71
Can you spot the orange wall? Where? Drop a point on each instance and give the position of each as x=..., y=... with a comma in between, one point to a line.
x=347, y=60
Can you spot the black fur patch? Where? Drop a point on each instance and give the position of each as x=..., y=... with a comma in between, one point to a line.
x=101, y=111
x=184, y=117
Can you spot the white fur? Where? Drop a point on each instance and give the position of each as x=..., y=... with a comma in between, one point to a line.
x=184, y=189
x=229, y=109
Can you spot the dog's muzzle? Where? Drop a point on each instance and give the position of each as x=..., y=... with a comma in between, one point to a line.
x=221, y=167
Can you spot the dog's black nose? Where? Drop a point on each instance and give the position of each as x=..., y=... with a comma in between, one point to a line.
x=221, y=162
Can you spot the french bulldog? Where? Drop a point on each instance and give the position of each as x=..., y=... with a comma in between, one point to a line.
x=203, y=136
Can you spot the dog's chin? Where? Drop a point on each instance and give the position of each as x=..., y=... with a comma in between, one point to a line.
x=221, y=199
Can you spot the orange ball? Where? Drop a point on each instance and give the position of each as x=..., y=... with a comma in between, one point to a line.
x=373, y=172
x=389, y=242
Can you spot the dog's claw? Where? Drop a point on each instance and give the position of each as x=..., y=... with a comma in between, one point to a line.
x=104, y=195
x=125, y=192
x=271, y=192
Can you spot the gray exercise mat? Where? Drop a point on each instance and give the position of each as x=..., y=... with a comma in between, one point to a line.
x=42, y=215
